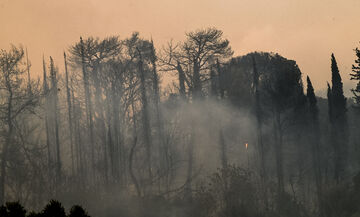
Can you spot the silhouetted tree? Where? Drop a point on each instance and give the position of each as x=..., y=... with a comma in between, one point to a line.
x=45, y=93
x=77, y=211
x=54, y=108
x=54, y=209
x=314, y=139
x=15, y=100
x=88, y=102
x=70, y=120
x=201, y=48
x=259, y=125
x=355, y=75
x=339, y=128
x=12, y=209
x=145, y=116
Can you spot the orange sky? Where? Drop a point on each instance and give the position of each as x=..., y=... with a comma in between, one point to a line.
x=304, y=30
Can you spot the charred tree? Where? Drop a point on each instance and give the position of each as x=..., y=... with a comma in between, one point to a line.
x=89, y=110
x=54, y=107
x=145, y=116
x=70, y=120
x=181, y=75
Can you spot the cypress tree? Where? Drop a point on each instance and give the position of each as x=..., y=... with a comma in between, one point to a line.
x=339, y=101
x=314, y=137
x=355, y=75
x=337, y=112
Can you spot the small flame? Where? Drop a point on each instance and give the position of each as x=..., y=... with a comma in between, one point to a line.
x=246, y=145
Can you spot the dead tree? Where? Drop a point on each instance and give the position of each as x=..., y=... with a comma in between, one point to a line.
x=70, y=120
x=54, y=107
x=46, y=109
x=15, y=100
x=145, y=116
x=89, y=110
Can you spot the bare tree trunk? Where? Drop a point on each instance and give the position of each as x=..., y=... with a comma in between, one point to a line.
x=163, y=149
x=28, y=72
x=196, y=81
x=116, y=162
x=45, y=92
x=54, y=91
x=68, y=97
x=78, y=142
x=132, y=152
x=101, y=119
x=213, y=82
x=145, y=117
x=221, y=79
x=260, y=144
x=7, y=142
x=181, y=80
x=89, y=112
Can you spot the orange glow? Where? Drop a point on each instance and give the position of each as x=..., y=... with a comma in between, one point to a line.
x=246, y=145
x=304, y=30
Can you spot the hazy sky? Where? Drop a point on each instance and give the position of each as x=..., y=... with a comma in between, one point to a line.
x=307, y=31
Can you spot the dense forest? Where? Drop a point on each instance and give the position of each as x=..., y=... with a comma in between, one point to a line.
x=227, y=136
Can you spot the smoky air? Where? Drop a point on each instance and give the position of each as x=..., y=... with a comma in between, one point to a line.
x=127, y=128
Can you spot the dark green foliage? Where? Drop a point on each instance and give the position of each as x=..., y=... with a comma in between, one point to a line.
x=314, y=139
x=338, y=119
x=78, y=211
x=229, y=192
x=3, y=211
x=339, y=100
x=34, y=214
x=15, y=209
x=12, y=209
x=343, y=200
x=54, y=209
x=311, y=99
x=279, y=80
